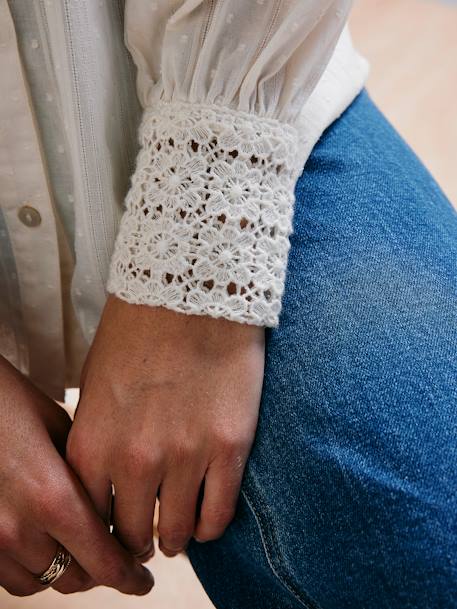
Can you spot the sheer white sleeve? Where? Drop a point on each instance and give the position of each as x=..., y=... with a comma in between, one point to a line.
x=209, y=212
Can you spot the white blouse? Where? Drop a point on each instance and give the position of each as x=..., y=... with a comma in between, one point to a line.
x=167, y=180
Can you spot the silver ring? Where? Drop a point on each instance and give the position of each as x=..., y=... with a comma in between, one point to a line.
x=57, y=568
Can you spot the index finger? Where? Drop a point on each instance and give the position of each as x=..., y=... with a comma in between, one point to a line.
x=84, y=534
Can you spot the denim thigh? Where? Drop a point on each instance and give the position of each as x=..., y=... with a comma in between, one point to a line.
x=349, y=497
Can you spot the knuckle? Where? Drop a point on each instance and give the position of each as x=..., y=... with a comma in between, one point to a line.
x=139, y=462
x=232, y=444
x=174, y=536
x=74, y=453
x=75, y=582
x=184, y=450
x=219, y=517
x=10, y=537
x=232, y=463
x=116, y=573
x=138, y=545
x=80, y=456
x=54, y=502
x=80, y=579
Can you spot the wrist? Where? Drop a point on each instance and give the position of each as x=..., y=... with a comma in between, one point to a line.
x=205, y=331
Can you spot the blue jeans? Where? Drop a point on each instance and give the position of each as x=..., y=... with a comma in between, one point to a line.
x=349, y=497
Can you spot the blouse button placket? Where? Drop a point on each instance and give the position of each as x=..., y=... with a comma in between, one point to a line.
x=27, y=207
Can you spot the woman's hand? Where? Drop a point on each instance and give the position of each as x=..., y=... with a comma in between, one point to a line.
x=167, y=400
x=42, y=502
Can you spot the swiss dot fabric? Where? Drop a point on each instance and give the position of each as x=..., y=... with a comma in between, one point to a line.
x=209, y=213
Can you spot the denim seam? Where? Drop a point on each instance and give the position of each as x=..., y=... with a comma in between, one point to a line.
x=279, y=570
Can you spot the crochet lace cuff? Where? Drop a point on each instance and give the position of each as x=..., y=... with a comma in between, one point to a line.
x=208, y=214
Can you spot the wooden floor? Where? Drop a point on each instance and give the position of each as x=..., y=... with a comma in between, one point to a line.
x=412, y=47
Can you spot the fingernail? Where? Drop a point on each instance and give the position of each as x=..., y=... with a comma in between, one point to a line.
x=199, y=540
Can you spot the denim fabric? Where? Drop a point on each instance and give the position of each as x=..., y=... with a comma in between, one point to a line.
x=349, y=498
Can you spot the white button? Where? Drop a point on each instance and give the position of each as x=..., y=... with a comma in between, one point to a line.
x=29, y=216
